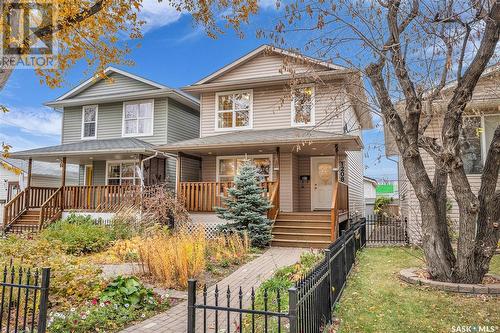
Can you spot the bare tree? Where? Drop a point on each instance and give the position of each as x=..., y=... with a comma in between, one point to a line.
x=409, y=50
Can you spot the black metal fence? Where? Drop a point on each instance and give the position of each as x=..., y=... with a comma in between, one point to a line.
x=310, y=301
x=24, y=300
x=382, y=230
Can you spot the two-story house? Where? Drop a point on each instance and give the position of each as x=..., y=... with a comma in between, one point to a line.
x=299, y=120
x=111, y=127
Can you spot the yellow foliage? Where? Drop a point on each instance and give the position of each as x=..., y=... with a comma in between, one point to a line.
x=172, y=259
x=124, y=250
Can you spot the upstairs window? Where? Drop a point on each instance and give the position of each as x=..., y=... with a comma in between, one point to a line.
x=138, y=118
x=475, y=140
x=303, y=106
x=89, y=122
x=234, y=110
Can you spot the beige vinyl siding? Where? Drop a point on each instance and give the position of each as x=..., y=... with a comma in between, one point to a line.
x=209, y=169
x=304, y=165
x=355, y=182
x=171, y=176
x=183, y=122
x=272, y=109
x=117, y=84
x=265, y=65
x=295, y=182
x=109, y=122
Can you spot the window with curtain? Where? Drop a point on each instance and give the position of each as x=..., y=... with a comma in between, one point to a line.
x=228, y=167
x=122, y=173
x=89, y=122
x=138, y=118
x=233, y=110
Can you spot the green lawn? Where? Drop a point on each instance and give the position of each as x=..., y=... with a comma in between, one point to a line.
x=375, y=300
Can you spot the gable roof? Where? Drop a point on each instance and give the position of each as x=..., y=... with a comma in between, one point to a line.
x=261, y=49
x=96, y=78
x=40, y=168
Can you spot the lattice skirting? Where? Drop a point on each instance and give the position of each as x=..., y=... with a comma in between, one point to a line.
x=211, y=230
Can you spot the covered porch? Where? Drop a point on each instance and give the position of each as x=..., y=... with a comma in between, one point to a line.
x=111, y=174
x=303, y=172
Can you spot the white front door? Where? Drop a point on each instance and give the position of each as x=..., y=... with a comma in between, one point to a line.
x=322, y=180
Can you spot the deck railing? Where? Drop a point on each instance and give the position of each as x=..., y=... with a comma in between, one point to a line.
x=205, y=196
x=51, y=209
x=98, y=198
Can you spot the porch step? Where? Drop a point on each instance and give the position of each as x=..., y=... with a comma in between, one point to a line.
x=305, y=216
x=300, y=236
x=302, y=229
x=298, y=223
x=27, y=222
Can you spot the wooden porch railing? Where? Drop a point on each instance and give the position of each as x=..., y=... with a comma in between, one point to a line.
x=30, y=197
x=51, y=209
x=204, y=196
x=340, y=206
x=99, y=198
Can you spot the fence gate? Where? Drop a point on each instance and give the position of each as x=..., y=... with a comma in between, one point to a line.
x=24, y=296
x=382, y=230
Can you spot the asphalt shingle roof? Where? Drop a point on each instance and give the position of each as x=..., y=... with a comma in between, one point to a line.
x=283, y=135
x=89, y=146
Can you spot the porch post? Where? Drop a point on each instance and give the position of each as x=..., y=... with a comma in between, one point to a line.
x=63, y=180
x=178, y=173
x=334, y=209
x=28, y=183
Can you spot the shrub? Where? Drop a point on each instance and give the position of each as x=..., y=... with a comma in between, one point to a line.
x=79, y=235
x=128, y=291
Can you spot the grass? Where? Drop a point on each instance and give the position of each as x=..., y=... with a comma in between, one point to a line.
x=375, y=300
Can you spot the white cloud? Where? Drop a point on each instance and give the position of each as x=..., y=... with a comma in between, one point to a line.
x=268, y=4
x=35, y=121
x=157, y=14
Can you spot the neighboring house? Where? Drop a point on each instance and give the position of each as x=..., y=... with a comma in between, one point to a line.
x=482, y=116
x=14, y=177
x=111, y=128
x=370, y=191
x=304, y=137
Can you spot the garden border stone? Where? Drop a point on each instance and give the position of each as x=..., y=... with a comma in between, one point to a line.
x=409, y=275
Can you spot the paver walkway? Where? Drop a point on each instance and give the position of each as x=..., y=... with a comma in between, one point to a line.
x=250, y=275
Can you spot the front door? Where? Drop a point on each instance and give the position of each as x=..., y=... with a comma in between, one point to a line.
x=322, y=180
x=89, y=175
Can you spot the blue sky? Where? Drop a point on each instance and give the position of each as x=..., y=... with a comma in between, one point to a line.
x=173, y=52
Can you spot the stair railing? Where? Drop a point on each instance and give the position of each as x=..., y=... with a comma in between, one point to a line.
x=51, y=209
x=15, y=208
x=340, y=205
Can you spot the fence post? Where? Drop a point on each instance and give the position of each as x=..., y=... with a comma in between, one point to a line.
x=44, y=300
x=328, y=256
x=407, y=239
x=344, y=255
x=292, y=310
x=191, y=303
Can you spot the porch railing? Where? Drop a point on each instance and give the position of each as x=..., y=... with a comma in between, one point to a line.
x=205, y=196
x=340, y=207
x=51, y=209
x=31, y=197
x=99, y=198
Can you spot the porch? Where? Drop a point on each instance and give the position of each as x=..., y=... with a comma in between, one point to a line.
x=303, y=176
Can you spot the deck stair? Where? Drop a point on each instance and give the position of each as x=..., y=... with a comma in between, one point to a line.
x=27, y=222
x=303, y=229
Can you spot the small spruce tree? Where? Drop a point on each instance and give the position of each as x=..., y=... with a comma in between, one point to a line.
x=246, y=207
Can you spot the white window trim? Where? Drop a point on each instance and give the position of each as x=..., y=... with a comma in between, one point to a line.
x=270, y=156
x=234, y=128
x=124, y=135
x=116, y=162
x=313, y=108
x=83, y=122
